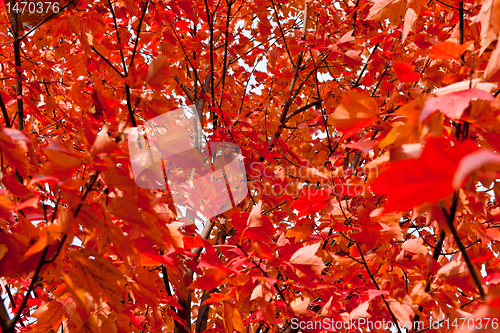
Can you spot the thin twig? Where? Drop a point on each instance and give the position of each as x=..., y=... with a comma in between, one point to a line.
x=19, y=85
x=378, y=288
x=463, y=250
x=11, y=324
x=355, y=15
x=366, y=64
x=138, y=33
x=4, y=112
x=46, y=19
x=107, y=61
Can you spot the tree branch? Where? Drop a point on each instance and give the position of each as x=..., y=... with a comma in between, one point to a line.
x=435, y=256
x=378, y=288
x=5, y=321
x=118, y=36
x=9, y=293
x=325, y=117
x=387, y=66
x=107, y=61
x=138, y=33
x=463, y=250
x=45, y=20
x=301, y=109
x=44, y=261
x=461, y=24
x=226, y=44
x=292, y=84
x=5, y=114
x=366, y=64
x=282, y=34
x=355, y=16
x=19, y=85
x=186, y=91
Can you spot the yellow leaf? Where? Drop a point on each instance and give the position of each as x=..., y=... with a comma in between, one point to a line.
x=232, y=319
x=40, y=244
x=390, y=138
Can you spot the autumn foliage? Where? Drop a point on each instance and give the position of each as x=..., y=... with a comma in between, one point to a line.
x=370, y=131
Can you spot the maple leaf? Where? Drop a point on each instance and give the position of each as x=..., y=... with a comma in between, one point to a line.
x=454, y=104
x=448, y=50
x=405, y=72
x=409, y=22
x=492, y=72
x=489, y=17
x=158, y=72
x=408, y=186
x=50, y=314
x=104, y=255
x=355, y=112
x=307, y=260
x=393, y=10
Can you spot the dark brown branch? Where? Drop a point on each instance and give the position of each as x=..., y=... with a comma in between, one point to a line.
x=366, y=65
x=127, y=88
x=435, y=256
x=210, y=17
x=387, y=65
x=226, y=44
x=325, y=117
x=118, y=36
x=188, y=60
x=138, y=33
x=46, y=20
x=355, y=16
x=292, y=84
x=463, y=250
x=378, y=288
x=445, y=4
x=186, y=91
x=185, y=312
x=4, y=112
x=5, y=321
x=129, y=106
x=282, y=34
x=19, y=84
x=107, y=61
x=11, y=324
x=11, y=298
x=201, y=320
x=301, y=109
x=461, y=17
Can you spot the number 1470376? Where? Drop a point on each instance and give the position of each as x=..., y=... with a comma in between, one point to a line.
x=32, y=7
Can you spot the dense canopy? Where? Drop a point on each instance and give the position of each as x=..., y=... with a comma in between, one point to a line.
x=369, y=132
